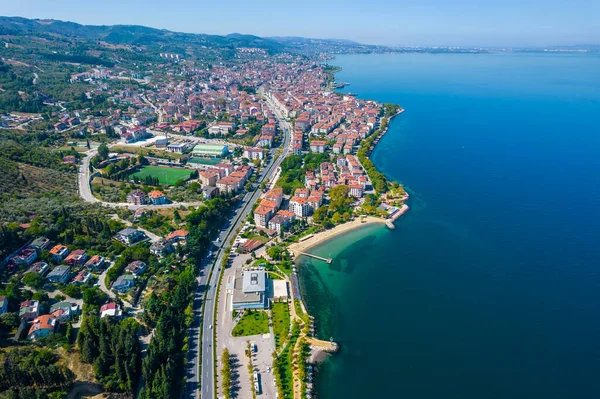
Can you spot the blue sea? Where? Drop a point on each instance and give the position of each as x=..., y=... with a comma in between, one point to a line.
x=489, y=287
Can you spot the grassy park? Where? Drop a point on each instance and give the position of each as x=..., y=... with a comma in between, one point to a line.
x=165, y=175
x=252, y=323
x=281, y=322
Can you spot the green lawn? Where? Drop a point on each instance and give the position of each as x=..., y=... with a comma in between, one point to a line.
x=253, y=322
x=165, y=175
x=265, y=263
x=283, y=365
x=299, y=311
x=281, y=322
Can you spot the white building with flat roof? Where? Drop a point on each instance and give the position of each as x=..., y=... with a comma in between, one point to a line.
x=250, y=290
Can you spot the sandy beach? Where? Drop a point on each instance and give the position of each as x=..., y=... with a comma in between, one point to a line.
x=323, y=236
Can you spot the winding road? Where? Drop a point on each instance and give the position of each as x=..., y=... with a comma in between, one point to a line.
x=85, y=190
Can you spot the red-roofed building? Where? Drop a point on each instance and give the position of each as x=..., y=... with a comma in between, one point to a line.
x=110, y=310
x=318, y=146
x=177, y=236
x=262, y=215
x=42, y=326
x=276, y=195
x=157, y=197
x=299, y=206
x=76, y=258
x=59, y=252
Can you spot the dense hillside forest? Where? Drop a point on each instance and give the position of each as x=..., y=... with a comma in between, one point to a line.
x=33, y=373
x=113, y=349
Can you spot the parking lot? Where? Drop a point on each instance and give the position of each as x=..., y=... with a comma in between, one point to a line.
x=265, y=345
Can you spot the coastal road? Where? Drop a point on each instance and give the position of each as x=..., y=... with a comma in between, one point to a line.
x=203, y=386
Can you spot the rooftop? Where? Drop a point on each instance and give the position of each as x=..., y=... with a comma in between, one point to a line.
x=254, y=281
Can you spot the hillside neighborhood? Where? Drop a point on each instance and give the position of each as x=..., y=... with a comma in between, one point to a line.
x=192, y=180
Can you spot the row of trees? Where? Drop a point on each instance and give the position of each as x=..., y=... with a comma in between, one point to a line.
x=203, y=224
x=112, y=347
x=163, y=368
x=377, y=178
x=226, y=373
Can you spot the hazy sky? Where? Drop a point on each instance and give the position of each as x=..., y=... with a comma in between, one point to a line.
x=394, y=22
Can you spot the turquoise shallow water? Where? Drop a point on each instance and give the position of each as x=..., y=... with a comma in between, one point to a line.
x=490, y=285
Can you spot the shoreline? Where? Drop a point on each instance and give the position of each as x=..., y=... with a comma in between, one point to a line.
x=324, y=236
x=318, y=355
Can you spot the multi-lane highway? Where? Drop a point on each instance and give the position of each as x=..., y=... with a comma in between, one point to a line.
x=203, y=386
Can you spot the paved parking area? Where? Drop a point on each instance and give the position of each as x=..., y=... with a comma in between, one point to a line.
x=265, y=345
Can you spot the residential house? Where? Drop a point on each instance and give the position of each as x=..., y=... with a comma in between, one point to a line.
x=157, y=197
x=297, y=149
x=59, y=126
x=138, y=214
x=82, y=277
x=210, y=192
x=130, y=236
x=161, y=248
x=59, y=252
x=29, y=310
x=60, y=274
x=76, y=258
x=64, y=311
x=356, y=189
x=177, y=236
x=301, y=192
x=314, y=202
x=95, y=263
x=123, y=283
x=226, y=167
x=25, y=256
x=110, y=310
x=229, y=184
x=39, y=267
x=40, y=243
x=42, y=326
x=137, y=268
x=136, y=197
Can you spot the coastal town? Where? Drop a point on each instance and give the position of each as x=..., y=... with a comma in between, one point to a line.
x=199, y=188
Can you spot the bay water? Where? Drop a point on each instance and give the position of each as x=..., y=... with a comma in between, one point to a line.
x=489, y=287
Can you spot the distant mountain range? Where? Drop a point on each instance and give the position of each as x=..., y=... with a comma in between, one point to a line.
x=47, y=35
x=168, y=41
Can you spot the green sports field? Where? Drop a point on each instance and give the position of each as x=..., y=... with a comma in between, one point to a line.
x=165, y=175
